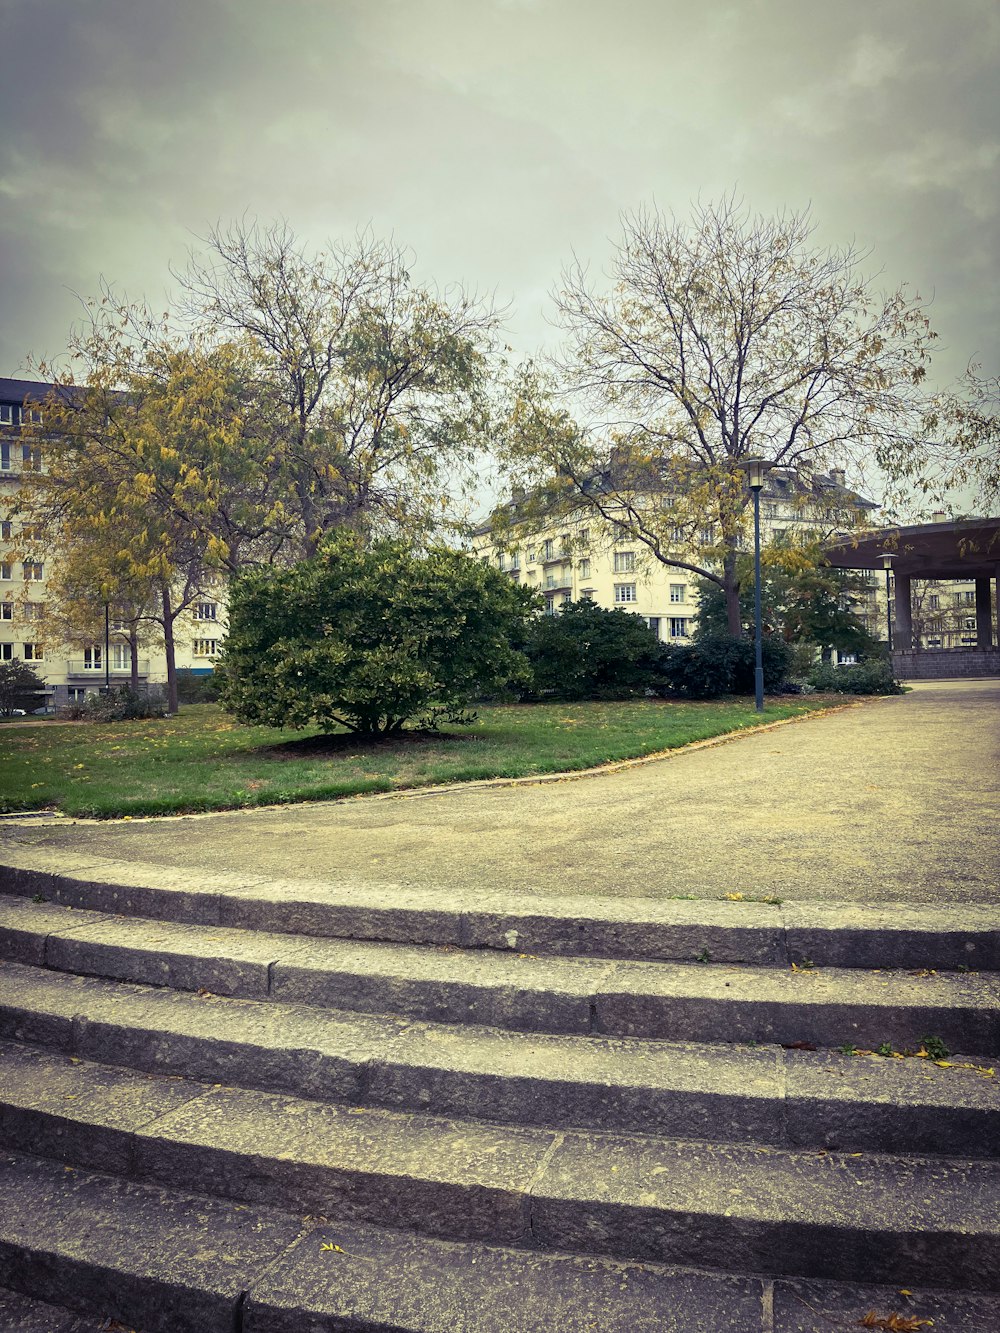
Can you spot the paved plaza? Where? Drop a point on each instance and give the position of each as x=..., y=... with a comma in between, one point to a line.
x=882, y=800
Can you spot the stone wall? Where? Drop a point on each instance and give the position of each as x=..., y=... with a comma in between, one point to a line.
x=947, y=663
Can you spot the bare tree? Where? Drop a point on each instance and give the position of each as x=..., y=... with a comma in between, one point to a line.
x=718, y=340
x=376, y=387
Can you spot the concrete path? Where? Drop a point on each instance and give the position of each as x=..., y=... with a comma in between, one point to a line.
x=894, y=798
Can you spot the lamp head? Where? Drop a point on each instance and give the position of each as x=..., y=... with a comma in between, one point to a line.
x=755, y=469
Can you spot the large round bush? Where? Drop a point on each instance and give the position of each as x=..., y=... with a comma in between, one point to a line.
x=370, y=638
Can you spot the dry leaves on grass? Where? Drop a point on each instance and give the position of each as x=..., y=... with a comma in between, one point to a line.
x=894, y=1323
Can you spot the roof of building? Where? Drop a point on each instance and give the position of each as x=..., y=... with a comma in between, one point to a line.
x=779, y=484
x=17, y=392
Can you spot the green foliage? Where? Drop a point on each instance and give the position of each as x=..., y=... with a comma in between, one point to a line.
x=195, y=687
x=370, y=638
x=20, y=687
x=586, y=652
x=719, y=665
x=119, y=704
x=872, y=677
x=802, y=600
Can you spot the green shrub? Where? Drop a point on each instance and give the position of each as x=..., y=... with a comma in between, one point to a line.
x=874, y=676
x=371, y=638
x=119, y=704
x=196, y=687
x=586, y=652
x=21, y=688
x=711, y=667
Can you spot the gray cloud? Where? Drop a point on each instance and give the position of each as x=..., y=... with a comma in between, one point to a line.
x=492, y=137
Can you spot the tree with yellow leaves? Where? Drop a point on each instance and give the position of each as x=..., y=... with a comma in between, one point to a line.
x=375, y=388
x=145, y=494
x=723, y=339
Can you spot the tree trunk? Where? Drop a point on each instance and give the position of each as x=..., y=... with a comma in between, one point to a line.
x=731, y=587
x=133, y=648
x=168, y=650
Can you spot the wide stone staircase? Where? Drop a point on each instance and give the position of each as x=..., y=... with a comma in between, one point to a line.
x=235, y=1105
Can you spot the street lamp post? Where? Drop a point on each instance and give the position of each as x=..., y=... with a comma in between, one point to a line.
x=887, y=558
x=756, y=467
x=107, y=649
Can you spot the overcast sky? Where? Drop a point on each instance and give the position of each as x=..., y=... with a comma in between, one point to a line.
x=494, y=137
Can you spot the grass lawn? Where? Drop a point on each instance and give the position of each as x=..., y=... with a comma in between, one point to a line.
x=204, y=760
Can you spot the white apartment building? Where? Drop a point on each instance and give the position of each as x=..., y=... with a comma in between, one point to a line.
x=72, y=671
x=583, y=556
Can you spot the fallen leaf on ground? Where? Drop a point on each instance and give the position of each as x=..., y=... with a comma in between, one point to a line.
x=894, y=1323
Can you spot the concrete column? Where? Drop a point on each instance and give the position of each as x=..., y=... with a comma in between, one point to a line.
x=984, y=614
x=902, y=630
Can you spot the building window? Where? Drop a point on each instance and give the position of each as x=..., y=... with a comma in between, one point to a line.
x=969, y=598
x=33, y=571
x=515, y=562
x=564, y=547
x=677, y=535
x=205, y=647
x=32, y=610
x=934, y=602
x=6, y=652
x=9, y=414
x=624, y=592
x=624, y=562
x=585, y=539
x=532, y=557
x=31, y=457
x=502, y=560
x=121, y=657
x=586, y=594
x=585, y=569
x=678, y=627
x=550, y=606
x=77, y=694
x=969, y=624
x=547, y=549
x=678, y=592
x=5, y=569
x=5, y=530
x=4, y=455
x=33, y=652
x=93, y=658
x=708, y=535
x=6, y=610
x=654, y=624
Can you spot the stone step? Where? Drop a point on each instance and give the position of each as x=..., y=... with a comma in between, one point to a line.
x=766, y=1095
x=673, y=1001
x=847, y=934
x=726, y=1207
x=23, y=1314
x=82, y=1240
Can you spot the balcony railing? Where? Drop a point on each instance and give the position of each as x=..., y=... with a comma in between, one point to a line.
x=96, y=671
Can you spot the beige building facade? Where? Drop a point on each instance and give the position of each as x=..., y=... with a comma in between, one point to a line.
x=585, y=556
x=71, y=671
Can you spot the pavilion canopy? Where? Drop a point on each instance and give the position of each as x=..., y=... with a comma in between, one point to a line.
x=965, y=548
